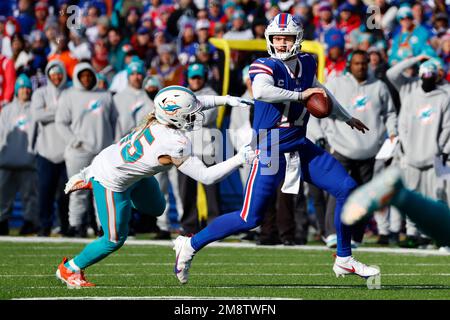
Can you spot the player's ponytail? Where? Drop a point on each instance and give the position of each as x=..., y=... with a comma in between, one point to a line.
x=146, y=121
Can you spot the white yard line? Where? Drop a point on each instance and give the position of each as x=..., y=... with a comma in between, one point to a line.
x=165, y=243
x=221, y=275
x=143, y=264
x=257, y=286
x=160, y=298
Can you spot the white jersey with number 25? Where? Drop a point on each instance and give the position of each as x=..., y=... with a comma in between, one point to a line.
x=136, y=155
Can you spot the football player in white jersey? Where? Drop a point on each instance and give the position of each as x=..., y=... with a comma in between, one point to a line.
x=121, y=176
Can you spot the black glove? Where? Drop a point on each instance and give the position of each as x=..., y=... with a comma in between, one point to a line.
x=321, y=143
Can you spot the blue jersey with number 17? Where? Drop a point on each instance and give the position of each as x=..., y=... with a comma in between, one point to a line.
x=290, y=117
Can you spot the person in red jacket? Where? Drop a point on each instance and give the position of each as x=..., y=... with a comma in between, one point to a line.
x=7, y=80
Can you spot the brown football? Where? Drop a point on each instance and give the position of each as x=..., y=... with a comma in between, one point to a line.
x=319, y=106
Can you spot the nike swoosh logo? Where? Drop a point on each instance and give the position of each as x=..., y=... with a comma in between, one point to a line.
x=352, y=270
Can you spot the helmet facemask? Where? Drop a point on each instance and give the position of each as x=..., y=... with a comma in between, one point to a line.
x=193, y=121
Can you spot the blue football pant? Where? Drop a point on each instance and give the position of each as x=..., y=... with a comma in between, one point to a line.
x=114, y=210
x=318, y=167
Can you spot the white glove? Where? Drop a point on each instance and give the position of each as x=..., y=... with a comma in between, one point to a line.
x=246, y=155
x=238, y=102
x=78, y=182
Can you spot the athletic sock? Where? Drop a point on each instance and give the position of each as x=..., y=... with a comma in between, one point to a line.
x=72, y=266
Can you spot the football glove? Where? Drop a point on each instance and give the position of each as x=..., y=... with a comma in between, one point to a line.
x=238, y=102
x=246, y=154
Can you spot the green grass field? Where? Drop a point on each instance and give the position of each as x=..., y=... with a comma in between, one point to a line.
x=27, y=270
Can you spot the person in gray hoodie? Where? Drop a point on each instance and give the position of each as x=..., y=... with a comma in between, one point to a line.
x=17, y=160
x=132, y=103
x=86, y=119
x=369, y=98
x=49, y=149
x=424, y=130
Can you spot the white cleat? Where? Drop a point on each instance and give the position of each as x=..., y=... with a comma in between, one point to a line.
x=350, y=266
x=184, y=254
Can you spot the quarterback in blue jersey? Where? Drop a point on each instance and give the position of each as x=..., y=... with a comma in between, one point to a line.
x=281, y=84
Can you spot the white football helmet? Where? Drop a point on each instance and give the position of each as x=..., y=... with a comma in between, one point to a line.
x=284, y=24
x=178, y=106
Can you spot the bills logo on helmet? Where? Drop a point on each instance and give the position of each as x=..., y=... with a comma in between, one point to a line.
x=282, y=20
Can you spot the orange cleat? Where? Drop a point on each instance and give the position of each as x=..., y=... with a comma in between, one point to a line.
x=72, y=279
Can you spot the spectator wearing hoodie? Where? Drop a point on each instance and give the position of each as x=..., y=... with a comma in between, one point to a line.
x=424, y=130
x=50, y=149
x=86, y=119
x=17, y=161
x=369, y=98
x=132, y=103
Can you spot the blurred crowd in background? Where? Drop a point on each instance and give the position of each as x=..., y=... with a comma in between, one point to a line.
x=76, y=76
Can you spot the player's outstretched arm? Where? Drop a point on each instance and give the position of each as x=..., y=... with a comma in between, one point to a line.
x=196, y=169
x=210, y=102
